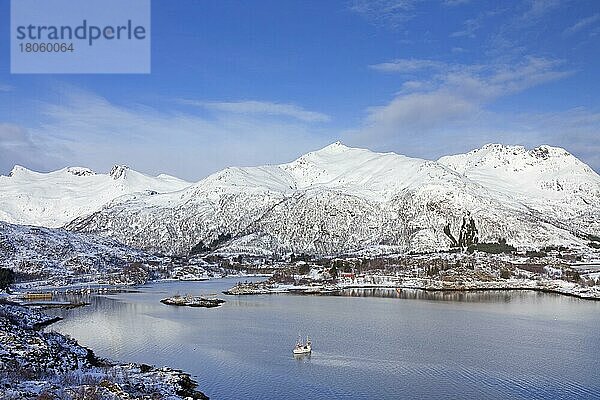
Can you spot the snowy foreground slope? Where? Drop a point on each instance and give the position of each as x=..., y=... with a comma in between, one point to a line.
x=55, y=198
x=347, y=200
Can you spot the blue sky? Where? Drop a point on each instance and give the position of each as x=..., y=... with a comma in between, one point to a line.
x=248, y=83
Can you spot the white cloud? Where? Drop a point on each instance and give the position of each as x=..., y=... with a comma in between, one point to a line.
x=539, y=8
x=390, y=13
x=88, y=130
x=448, y=111
x=412, y=86
x=452, y=3
x=517, y=32
x=471, y=26
x=17, y=146
x=477, y=81
x=581, y=24
x=5, y=88
x=418, y=112
x=485, y=83
x=407, y=65
x=262, y=107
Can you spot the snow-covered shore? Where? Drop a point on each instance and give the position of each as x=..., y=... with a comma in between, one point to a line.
x=35, y=363
x=547, y=285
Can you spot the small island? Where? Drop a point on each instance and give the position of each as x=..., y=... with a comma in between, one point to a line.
x=192, y=301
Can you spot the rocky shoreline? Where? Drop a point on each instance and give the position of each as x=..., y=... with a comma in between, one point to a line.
x=35, y=364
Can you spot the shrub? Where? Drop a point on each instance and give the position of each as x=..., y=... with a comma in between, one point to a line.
x=593, y=238
x=304, y=269
x=537, y=254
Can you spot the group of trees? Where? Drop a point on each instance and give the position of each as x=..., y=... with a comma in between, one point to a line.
x=7, y=278
x=505, y=273
x=469, y=241
x=493, y=248
x=594, y=241
x=433, y=270
x=572, y=275
x=202, y=247
x=300, y=257
x=467, y=236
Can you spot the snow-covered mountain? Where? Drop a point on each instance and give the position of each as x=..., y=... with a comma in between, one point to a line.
x=549, y=180
x=340, y=199
x=54, y=199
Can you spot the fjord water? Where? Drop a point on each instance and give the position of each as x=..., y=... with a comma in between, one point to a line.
x=409, y=345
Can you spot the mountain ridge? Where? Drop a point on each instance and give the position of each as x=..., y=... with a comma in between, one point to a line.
x=341, y=199
x=55, y=198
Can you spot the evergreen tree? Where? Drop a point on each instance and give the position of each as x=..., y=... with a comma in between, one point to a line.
x=7, y=278
x=449, y=234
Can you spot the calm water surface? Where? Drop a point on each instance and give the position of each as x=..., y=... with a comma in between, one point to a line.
x=413, y=345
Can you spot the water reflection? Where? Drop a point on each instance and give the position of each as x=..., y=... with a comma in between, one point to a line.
x=492, y=296
x=302, y=357
x=496, y=344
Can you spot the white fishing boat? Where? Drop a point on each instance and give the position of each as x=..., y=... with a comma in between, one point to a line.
x=303, y=348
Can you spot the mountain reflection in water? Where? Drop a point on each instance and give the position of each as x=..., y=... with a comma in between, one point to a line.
x=367, y=343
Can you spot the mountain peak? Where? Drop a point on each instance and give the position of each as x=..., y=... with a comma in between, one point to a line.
x=80, y=171
x=511, y=157
x=544, y=151
x=55, y=198
x=118, y=171
x=334, y=147
x=17, y=169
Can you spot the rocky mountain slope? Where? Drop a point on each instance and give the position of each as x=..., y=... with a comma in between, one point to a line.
x=37, y=253
x=55, y=198
x=347, y=200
